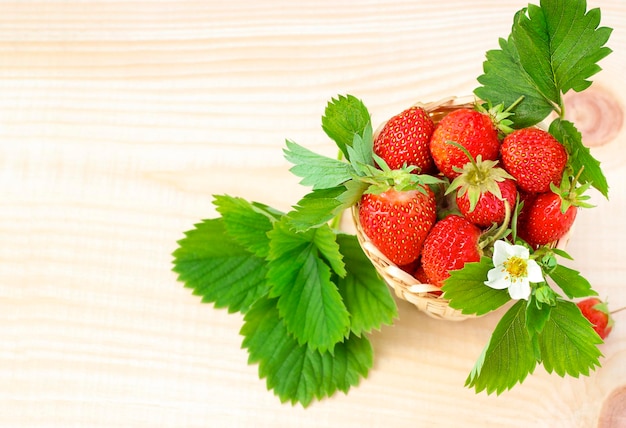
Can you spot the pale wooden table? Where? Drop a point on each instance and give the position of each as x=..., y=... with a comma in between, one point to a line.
x=119, y=120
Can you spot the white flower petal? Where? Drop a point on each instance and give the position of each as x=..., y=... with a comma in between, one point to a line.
x=520, y=289
x=519, y=251
x=497, y=279
x=534, y=271
x=500, y=252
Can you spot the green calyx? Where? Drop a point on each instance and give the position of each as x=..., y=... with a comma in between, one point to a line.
x=477, y=178
x=499, y=115
x=403, y=179
x=571, y=193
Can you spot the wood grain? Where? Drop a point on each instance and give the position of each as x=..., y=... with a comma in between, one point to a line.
x=119, y=120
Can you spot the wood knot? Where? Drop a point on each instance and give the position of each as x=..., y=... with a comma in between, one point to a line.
x=596, y=113
x=613, y=413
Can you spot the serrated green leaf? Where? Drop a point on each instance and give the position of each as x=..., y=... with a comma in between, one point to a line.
x=580, y=155
x=300, y=276
x=508, y=357
x=295, y=372
x=568, y=342
x=467, y=292
x=365, y=294
x=217, y=268
x=316, y=208
x=344, y=117
x=551, y=49
x=571, y=282
x=504, y=81
x=576, y=42
x=317, y=171
x=246, y=223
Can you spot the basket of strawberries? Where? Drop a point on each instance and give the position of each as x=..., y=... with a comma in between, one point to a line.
x=461, y=206
x=476, y=176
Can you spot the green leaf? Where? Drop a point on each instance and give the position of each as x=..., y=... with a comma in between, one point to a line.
x=508, y=357
x=571, y=282
x=316, y=208
x=318, y=171
x=551, y=49
x=579, y=155
x=344, y=117
x=467, y=292
x=362, y=149
x=295, y=372
x=575, y=44
x=354, y=192
x=300, y=276
x=217, y=268
x=568, y=342
x=246, y=223
x=504, y=81
x=537, y=315
x=366, y=295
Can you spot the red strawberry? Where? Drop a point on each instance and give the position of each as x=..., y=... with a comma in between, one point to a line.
x=597, y=312
x=481, y=191
x=471, y=129
x=451, y=243
x=404, y=140
x=490, y=208
x=535, y=158
x=397, y=222
x=544, y=221
x=420, y=275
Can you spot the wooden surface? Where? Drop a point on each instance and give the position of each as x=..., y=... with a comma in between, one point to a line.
x=119, y=120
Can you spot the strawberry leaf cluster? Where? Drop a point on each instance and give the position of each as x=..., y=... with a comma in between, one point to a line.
x=309, y=299
x=546, y=329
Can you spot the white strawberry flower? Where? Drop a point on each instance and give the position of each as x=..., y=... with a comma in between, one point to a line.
x=514, y=269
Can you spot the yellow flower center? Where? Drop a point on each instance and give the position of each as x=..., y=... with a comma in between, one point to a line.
x=516, y=267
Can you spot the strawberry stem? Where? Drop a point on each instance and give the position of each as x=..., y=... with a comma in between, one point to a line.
x=618, y=310
x=515, y=103
x=493, y=236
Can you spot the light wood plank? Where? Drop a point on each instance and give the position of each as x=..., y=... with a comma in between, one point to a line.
x=119, y=120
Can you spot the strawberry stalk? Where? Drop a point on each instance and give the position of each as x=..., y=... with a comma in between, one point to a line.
x=495, y=233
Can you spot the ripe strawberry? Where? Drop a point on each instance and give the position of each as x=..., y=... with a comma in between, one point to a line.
x=544, y=221
x=404, y=140
x=397, y=222
x=471, y=129
x=490, y=207
x=597, y=312
x=451, y=243
x=481, y=191
x=535, y=158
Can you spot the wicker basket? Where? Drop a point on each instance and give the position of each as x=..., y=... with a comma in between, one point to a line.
x=426, y=297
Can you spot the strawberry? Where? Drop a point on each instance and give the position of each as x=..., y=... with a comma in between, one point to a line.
x=404, y=140
x=471, y=129
x=490, y=207
x=544, y=221
x=451, y=243
x=420, y=275
x=397, y=221
x=550, y=215
x=597, y=312
x=535, y=158
x=482, y=189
